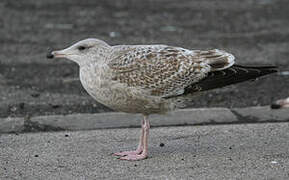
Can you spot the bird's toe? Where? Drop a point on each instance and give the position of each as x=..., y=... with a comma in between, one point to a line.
x=135, y=157
x=126, y=153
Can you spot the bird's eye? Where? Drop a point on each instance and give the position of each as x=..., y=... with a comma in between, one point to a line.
x=81, y=48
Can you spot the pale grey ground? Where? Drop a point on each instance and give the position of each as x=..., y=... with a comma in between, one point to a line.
x=249, y=151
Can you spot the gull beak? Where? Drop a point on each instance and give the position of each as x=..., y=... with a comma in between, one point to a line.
x=55, y=54
x=282, y=103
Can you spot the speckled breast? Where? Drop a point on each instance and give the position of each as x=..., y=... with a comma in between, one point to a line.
x=97, y=82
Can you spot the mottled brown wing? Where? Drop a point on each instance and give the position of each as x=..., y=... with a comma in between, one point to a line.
x=163, y=71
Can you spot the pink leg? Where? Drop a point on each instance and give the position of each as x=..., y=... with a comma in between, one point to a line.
x=144, y=152
x=140, y=145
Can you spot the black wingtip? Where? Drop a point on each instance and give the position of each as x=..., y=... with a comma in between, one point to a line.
x=275, y=106
x=234, y=74
x=264, y=68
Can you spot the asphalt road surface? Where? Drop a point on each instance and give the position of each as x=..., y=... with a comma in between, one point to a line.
x=255, y=31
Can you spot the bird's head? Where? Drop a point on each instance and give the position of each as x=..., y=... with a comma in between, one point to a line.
x=83, y=51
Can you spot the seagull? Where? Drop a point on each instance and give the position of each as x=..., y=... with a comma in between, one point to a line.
x=151, y=79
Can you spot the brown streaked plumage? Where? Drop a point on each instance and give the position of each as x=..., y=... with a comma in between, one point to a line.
x=166, y=71
x=150, y=79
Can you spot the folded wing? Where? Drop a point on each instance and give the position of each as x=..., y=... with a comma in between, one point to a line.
x=166, y=71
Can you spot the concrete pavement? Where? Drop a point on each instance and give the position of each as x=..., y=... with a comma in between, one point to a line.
x=122, y=120
x=245, y=151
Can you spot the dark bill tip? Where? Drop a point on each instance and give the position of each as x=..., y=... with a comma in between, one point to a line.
x=49, y=54
x=275, y=106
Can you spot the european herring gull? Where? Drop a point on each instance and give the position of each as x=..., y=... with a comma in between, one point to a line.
x=151, y=79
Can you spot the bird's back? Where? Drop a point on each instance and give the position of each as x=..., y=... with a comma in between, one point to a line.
x=164, y=70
